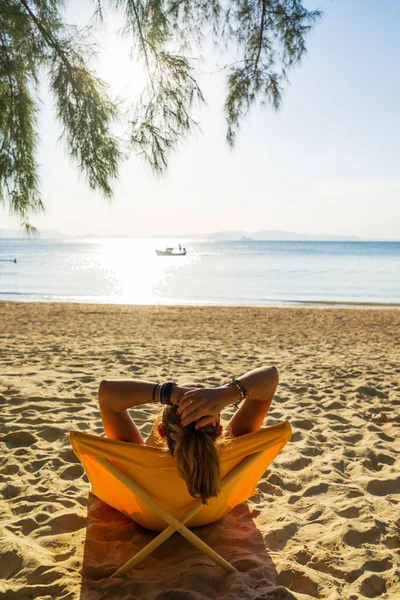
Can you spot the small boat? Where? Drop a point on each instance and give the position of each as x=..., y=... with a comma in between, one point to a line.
x=172, y=252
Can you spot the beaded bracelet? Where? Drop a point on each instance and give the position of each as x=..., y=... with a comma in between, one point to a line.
x=243, y=393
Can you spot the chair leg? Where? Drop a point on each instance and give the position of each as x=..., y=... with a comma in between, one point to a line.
x=160, y=539
x=164, y=514
x=135, y=560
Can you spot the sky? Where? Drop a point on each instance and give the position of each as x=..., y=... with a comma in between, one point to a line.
x=326, y=163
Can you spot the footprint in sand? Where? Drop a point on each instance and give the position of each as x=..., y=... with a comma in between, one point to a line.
x=392, y=541
x=68, y=455
x=19, y=439
x=44, y=575
x=37, y=465
x=354, y=493
x=311, y=451
x=314, y=516
x=375, y=462
x=292, y=486
x=51, y=434
x=12, y=491
x=385, y=459
x=303, y=424
x=382, y=487
x=275, y=479
x=335, y=417
x=74, y=409
x=352, y=512
x=72, y=472
x=298, y=582
x=314, y=490
x=371, y=392
x=26, y=526
x=297, y=436
x=372, y=586
x=356, y=538
x=293, y=499
x=385, y=438
x=269, y=489
x=277, y=539
x=11, y=469
x=10, y=564
x=378, y=566
x=352, y=439
x=324, y=566
x=333, y=405
x=65, y=523
x=302, y=557
x=298, y=464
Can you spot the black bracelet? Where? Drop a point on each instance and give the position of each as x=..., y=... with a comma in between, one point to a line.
x=160, y=393
x=166, y=391
x=154, y=391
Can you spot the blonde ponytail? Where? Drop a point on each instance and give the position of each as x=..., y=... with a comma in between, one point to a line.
x=197, y=461
x=196, y=455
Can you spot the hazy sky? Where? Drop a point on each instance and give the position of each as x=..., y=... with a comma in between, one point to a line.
x=328, y=162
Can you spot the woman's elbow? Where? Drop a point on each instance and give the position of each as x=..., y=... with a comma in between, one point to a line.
x=273, y=376
x=103, y=391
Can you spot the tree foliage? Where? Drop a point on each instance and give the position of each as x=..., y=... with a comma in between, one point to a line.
x=269, y=36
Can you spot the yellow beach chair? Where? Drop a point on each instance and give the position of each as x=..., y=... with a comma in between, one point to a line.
x=143, y=483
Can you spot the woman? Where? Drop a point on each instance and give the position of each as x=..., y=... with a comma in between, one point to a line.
x=189, y=422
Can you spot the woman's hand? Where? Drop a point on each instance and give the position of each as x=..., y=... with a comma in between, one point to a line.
x=178, y=392
x=204, y=405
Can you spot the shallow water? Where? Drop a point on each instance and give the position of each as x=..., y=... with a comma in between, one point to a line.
x=128, y=271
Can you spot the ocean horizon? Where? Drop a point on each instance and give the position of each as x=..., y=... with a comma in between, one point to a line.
x=243, y=273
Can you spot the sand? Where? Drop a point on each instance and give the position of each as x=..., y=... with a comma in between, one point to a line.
x=325, y=520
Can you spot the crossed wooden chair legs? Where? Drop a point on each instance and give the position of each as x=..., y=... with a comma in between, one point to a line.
x=174, y=524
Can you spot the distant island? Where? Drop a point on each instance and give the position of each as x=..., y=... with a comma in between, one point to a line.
x=219, y=236
x=44, y=234
x=266, y=235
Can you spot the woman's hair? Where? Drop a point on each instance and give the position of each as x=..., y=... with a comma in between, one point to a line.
x=195, y=452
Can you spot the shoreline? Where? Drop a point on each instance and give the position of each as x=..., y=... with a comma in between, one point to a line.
x=286, y=304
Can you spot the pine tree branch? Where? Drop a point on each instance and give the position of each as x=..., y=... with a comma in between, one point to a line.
x=52, y=42
x=8, y=71
x=143, y=42
x=262, y=25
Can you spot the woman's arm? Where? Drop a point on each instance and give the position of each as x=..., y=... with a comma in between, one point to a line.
x=260, y=384
x=116, y=396
x=121, y=394
x=204, y=405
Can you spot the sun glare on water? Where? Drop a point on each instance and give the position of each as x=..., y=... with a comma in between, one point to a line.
x=135, y=273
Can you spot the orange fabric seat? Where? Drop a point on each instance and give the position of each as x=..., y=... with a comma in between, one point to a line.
x=154, y=470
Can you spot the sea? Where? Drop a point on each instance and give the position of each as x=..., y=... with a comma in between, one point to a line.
x=249, y=273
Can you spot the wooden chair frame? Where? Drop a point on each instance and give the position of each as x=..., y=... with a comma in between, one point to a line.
x=175, y=524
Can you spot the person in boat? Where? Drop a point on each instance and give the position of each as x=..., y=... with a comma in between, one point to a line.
x=179, y=247
x=188, y=423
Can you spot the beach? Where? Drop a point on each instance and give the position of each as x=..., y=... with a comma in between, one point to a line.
x=324, y=521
